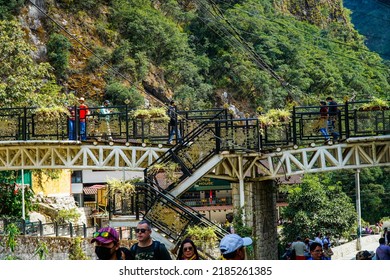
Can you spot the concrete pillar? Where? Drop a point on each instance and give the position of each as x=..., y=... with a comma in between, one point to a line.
x=265, y=220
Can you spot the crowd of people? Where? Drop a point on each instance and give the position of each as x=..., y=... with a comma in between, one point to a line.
x=318, y=248
x=107, y=246
x=232, y=247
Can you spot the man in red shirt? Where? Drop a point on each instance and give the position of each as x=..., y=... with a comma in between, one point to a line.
x=83, y=113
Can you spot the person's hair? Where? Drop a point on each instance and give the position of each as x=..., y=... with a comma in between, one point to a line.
x=314, y=245
x=172, y=102
x=231, y=255
x=299, y=238
x=382, y=240
x=180, y=254
x=145, y=222
x=329, y=98
x=322, y=102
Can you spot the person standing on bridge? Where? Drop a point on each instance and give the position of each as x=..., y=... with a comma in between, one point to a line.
x=173, y=122
x=323, y=121
x=333, y=113
x=83, y=113
x=105, y=114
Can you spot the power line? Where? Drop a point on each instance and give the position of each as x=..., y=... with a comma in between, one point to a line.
x=104, y=62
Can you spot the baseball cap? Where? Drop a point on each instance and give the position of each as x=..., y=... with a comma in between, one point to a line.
x=81, y=99
x=106, y=235
x=232, y=242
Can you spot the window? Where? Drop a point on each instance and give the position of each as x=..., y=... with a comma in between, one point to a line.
x=77, y=176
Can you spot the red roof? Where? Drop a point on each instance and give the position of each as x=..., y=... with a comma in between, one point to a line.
x=93, y=189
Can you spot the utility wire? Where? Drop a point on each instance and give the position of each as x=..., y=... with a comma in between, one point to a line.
x=103, y=62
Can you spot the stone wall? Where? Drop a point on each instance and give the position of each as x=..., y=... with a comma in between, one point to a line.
x=265, y=220
x=58, y=247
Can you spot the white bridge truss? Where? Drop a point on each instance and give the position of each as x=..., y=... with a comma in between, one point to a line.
x=17, y=155
x=355, y=153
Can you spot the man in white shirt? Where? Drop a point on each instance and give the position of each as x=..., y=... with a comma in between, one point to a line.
x=299, y=247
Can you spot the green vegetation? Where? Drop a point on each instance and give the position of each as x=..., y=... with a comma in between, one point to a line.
x=11, y=232
x=374, y=189
x=8, y=8
x=76, y=251
x=11, y=200
x=315, y=206
x=58, y=52
x=119, y=94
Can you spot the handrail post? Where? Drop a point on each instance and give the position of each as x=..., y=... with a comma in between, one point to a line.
x=127, y=123
x=218, y=137
x=84, y=230
x=346, y=119
x=294, y=126
x=24, y=124
x=76, y=123
x=71, y=229
x=40, y=228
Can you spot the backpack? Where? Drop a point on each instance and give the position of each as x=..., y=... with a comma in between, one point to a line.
x=156, y=249
x=171, y=112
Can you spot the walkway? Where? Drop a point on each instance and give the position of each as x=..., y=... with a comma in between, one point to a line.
x=348, y=251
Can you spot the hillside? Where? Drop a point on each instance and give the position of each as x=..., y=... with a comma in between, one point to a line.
x=372, y=19
x=260, y=53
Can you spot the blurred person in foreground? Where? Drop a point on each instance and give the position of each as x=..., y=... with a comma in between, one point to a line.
x=107, y=245
x=188, y=250
x=232, y=247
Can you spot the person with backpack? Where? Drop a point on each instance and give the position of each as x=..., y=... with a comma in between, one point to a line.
x=333, y=113
x=173, y=127
x=146, y=248
x=107, y=245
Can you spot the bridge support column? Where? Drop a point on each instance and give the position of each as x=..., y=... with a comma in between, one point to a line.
x=243, y=192
x=265, y=220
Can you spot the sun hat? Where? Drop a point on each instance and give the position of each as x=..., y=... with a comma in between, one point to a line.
x=232, y=242
x=106, y=235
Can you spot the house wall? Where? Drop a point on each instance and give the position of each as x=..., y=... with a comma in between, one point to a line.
x=47, y=186
x=94, y=176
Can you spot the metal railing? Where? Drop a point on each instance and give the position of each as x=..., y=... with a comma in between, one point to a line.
x=30, y=123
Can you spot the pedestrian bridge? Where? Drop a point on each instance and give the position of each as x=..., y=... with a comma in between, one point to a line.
x=214, y=144
x=353, y=153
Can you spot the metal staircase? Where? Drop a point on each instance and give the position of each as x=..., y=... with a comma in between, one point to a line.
x=192, y=157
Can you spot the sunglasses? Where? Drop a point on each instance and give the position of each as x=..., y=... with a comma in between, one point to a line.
x=103, y=234
x=140, y=230
x=187, y=249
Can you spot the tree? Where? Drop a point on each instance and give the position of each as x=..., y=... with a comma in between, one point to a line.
x=24, y=82
x=58, y=53
x=374, y=190
x=119, y=94
x=11, y=200
x=9, y=8
x=315, y=207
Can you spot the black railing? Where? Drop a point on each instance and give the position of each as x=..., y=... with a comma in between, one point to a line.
x=30, y=123
x=48, y=229
x=171, y=215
